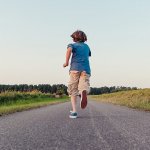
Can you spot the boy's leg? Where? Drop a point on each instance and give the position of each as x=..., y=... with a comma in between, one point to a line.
x=73, y=102
x=84, y=88
x=73, y=88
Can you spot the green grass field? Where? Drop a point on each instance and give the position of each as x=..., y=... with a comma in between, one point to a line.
x=139, y=99
x=11, y=102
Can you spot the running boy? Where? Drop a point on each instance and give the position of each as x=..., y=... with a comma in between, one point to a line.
x=79, y=70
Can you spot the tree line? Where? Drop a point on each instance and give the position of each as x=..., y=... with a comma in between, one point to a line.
x=60, y=88
x=105, y=89
x=44, y=88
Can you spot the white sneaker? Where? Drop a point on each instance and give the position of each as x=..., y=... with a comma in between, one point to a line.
x=73, y=115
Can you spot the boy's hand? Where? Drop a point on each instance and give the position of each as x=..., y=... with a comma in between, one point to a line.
x=65, y=65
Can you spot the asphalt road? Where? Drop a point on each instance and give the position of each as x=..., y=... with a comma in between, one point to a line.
x=99, y=127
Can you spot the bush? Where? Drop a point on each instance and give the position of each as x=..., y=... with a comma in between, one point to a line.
x=8, y=97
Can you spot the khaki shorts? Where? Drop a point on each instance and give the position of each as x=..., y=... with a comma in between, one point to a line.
x=78, y=82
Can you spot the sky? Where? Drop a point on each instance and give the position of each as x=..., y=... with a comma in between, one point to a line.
x=34, y=35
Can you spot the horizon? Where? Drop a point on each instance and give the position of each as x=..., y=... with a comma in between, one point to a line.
x=66, y=85
x=34, y=36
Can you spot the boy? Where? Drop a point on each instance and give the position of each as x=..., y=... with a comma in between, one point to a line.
x=79, y=70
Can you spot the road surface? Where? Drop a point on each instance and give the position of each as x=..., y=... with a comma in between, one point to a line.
x=99, y=127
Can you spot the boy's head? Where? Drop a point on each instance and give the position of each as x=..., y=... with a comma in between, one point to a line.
x=79, y=36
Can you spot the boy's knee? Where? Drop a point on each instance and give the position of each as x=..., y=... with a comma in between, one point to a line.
x=84, y=84
x=88, y=90
x=72, y=90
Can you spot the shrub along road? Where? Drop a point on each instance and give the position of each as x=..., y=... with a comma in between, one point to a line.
x=99, y=127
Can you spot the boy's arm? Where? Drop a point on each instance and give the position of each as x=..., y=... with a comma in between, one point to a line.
x=68, y=54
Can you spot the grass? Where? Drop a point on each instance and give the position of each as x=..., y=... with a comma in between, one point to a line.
x=139, y=99
x=26, y=101
x=10, y=97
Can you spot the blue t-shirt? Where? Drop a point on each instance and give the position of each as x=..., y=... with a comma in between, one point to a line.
x=80, y=57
